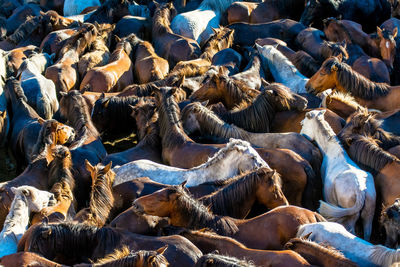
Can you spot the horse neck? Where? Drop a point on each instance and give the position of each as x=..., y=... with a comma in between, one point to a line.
x=119, y=107
x=117, y=54
x=326, y=138
x=161, y=22
x=222, y=163
x=99, y=44
x=101, y=200
x=41, y=143
x=71, y=54
x=152, y=138
x=87, y=127
x=17, y=219
x=383, y=256
x=36, y=67
x=211, y=242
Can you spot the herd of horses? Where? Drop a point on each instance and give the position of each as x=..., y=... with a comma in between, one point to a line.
x=259, y=133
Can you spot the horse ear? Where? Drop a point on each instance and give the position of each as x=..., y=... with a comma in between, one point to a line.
x=117, y=39
x=204, y=103
x=41, y=121
x=334, y=67
x=340, y=57
x=322, y=112
x=42, y=13
x=105, y=104
x=14, y=190
x=162, y=250
x=107, y=168
x=62, y=94
x=89, y=166
x=134, y=110
x=103, y=95
x=183, y=184
x=4, y=114
x=394, y=33
x=96, y=25
x=214, y=30
x=180, y=81
x=379, y=31
x=307, y=236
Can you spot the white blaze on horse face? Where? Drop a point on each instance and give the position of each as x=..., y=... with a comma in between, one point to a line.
x=387, y=44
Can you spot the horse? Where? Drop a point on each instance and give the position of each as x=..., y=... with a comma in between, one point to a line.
x=60, y=175
x=285, y=29
x=273, y=228
x=15, y=57
x=74, y=7
x=40, y=92
x=282, y=69
x=87, y=143
x=55, y=40
x=349, y=192
x=366, y=152
x=253, y=73
x=305, y=63
x=335, y=73
x=342, y=104
x=222, y=38
x=208, y=242
x=315, y=11
x=105, y=112
x=19, y=16
x=389, y=221
x=141, y=26
x=148, y=65
x=27, y=199
x=220, y=260
x=167, y=44
x=149, y=143
x=126, y=257
x=198, y=24
x=101, y=197
x=115, y=75
x=258, y=116
x=240, y=155
x=354, y=248
x=24, y=259
x=229, y=60
x=317, y=254
x=99, y=54
x=372, y=68
x=219, y=87
x=77, y=243
x=64, y=72
x=264, y=12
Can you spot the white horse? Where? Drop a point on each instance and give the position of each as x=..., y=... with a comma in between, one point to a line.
x=282, y=69
x=356, y=249
x=348, y=190
x=198, y=24
x=238, y=156
x=40, y=91
x=75, y=7
x=27, y=199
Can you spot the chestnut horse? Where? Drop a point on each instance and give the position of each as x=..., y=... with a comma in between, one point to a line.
x=335, y=73
x=64, y=73
x=25, y=259
x=270, y=230
x=114, y=76
x=167, y=44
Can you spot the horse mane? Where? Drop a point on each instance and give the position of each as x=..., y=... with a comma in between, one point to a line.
x=215, y=5
x=25, y=29
x=162, y=19
x=217, y=260
x=322, y=249
x=343, y=97
x=212, y=46
x=118, y=107
x=126, y=257
x=169, y=113
x=78, y=40
x=305, y=62
x=60, y=169
x=259, y=115
x=355, y=83
x=101, y=196
x=239, y=90
x=17, y=89
x=212, y=124
x=117, y=53
x=238, y=189
x=329, y=49
x=46, y=137
x=79, y=116
x=141, y=90
x=384, y=256
x=366, y=152
x=197, y=216
x=151, y=135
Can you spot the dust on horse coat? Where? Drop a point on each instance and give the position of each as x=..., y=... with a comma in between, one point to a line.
x=348, y=191
x=40, y=92
x=282, y=69
x=238, y=156
x=198, y=24
x=354, y=248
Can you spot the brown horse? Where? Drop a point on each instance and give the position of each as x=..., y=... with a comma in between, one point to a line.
x=167, y=44
x=60, y=175
x=208, y=242
x=148, y=134
x=17, y=56
x=219, y=87
x=319, y=255
x=221, y=39
x=114, y=76
x=342, y=104
x=70, y=244
x=265, y=11
x=148, y=65
x=26, y=259
x=389, y=220
x=101, y=197
x=270, y=230
x=64, y=73
x=371, y=68
x=99, y=53
x=305, y=63
x=87, y=144
x=55, y=40
x=335, y=73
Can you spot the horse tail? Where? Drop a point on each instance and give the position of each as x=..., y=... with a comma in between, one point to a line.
x=312, y=191
x=43, y=108
x=331, y=211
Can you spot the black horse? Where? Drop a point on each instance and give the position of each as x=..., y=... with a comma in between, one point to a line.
x=369, y=13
